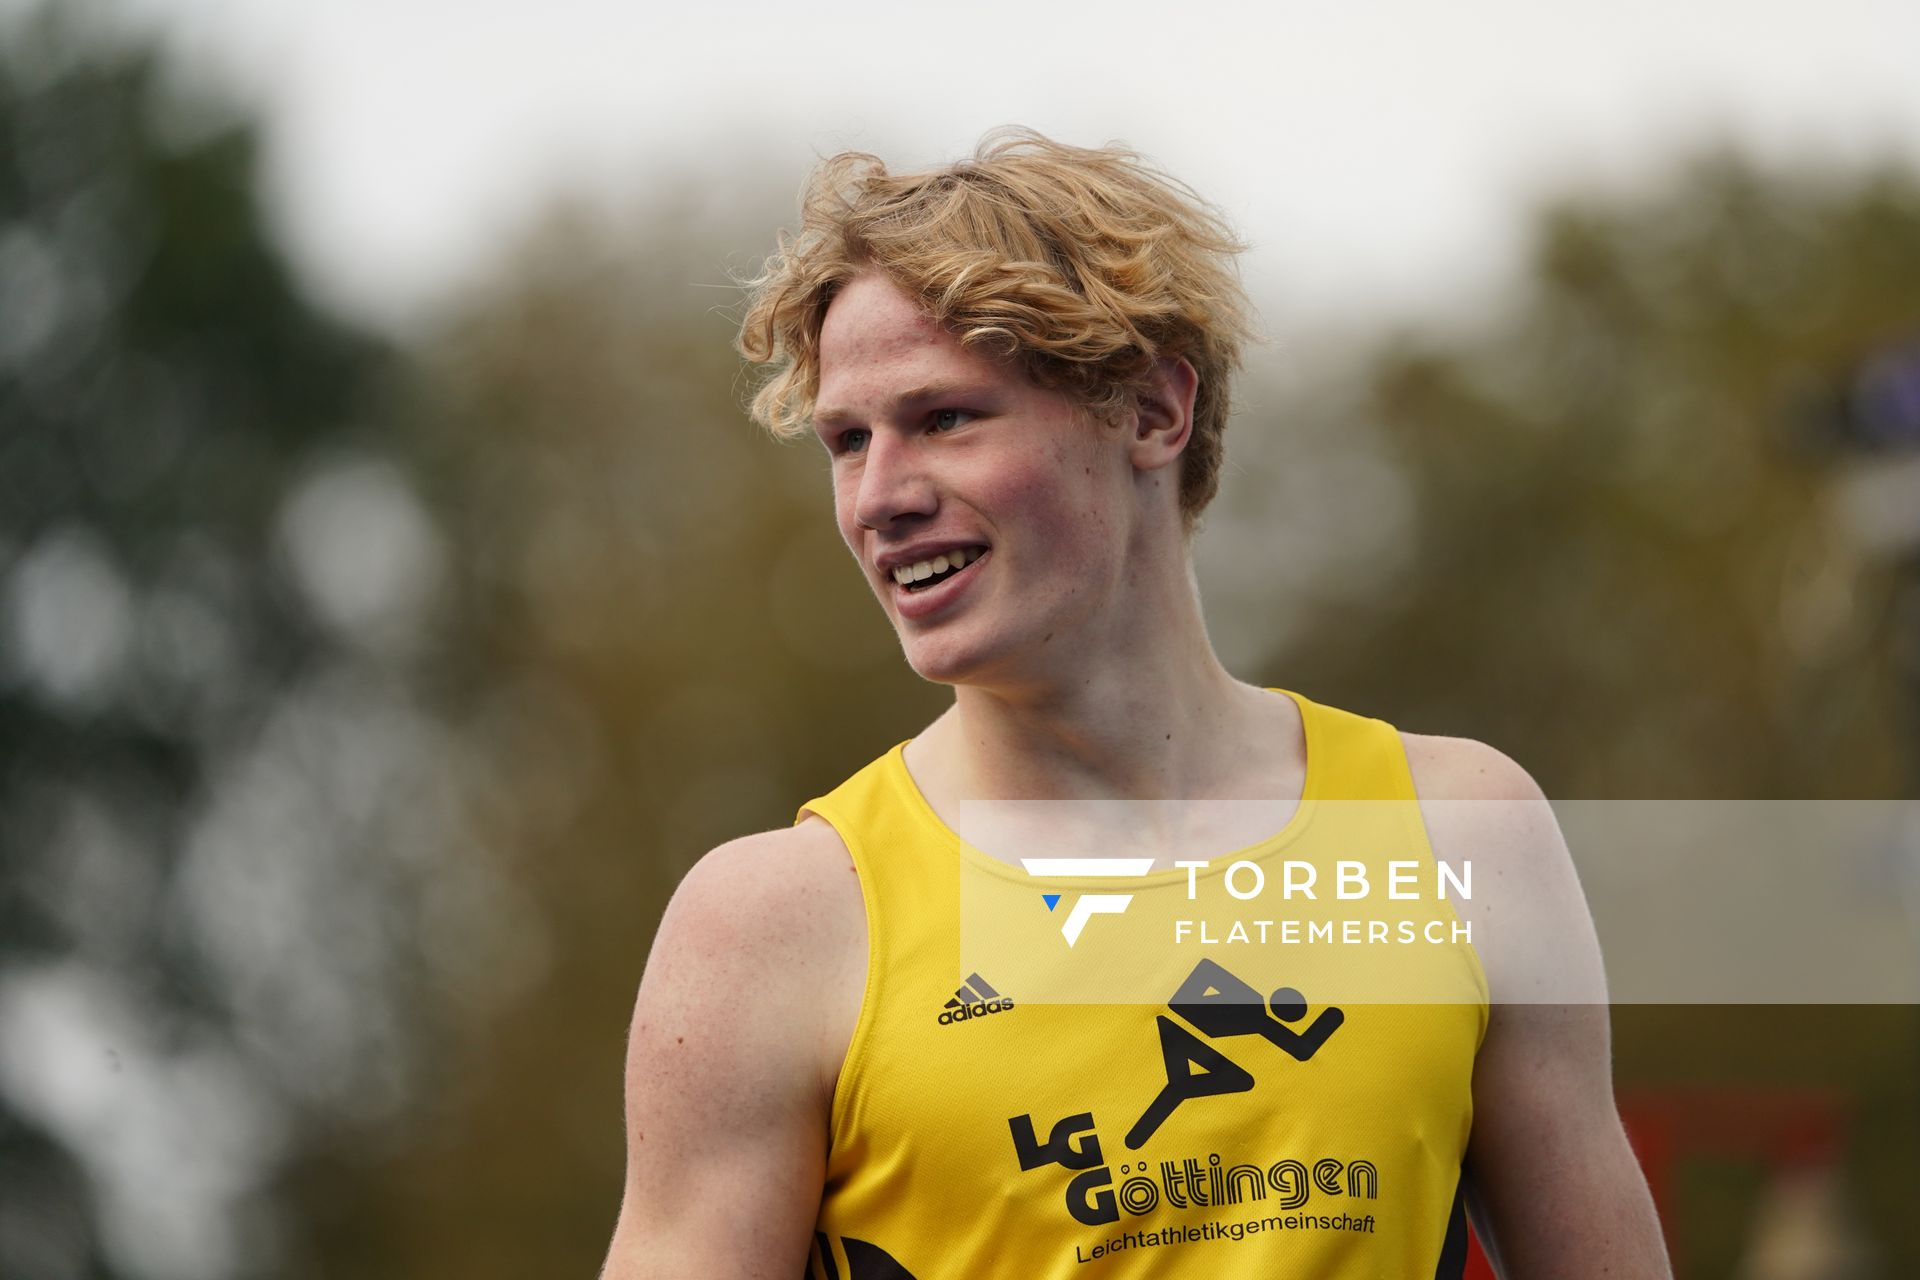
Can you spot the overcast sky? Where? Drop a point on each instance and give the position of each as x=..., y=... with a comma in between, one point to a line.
x=1377, y=155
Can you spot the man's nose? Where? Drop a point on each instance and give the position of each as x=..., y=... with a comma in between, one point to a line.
x=893, y=482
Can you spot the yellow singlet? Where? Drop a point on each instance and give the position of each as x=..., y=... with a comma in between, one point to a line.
x=1243, y=1126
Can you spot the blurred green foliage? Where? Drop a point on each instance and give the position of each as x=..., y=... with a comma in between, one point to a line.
x=1624, y=563
x=204, y=710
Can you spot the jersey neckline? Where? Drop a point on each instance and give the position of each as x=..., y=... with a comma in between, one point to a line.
x=901, y=776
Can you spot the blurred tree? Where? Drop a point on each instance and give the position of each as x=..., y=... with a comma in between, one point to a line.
x=212, y=587
x=1612, y=558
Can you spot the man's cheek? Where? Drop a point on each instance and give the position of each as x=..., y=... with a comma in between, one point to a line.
x=843, y=520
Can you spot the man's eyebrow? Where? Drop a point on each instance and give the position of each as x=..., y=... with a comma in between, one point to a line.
x=833, y=417
x=939, y=389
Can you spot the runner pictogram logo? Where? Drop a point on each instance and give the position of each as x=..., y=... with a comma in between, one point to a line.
x=1221, y=1007
x=974, y=998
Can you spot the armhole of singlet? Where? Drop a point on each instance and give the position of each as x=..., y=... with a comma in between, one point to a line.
x=855, y=1055
x=1403, y=769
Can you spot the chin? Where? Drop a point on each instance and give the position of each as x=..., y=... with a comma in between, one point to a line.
x=940, y=666
x=953, y=658
x=944, y=659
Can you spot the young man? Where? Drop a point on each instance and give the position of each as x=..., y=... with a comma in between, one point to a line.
x=1019, y=366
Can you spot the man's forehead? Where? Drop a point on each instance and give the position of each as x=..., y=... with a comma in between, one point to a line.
x=872, y=317
x=879, y=347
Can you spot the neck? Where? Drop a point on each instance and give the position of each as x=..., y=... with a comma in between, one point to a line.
x=1143, y=711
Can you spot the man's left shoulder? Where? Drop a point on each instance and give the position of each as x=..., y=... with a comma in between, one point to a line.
x=1446, y=768
x=1478, y=805
x=1531, y=925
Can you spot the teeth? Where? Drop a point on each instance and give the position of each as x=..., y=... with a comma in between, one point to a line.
x=925, y=569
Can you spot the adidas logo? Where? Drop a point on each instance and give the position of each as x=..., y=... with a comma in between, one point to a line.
x=974, y=999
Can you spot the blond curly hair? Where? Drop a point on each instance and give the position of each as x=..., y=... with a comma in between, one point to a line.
x=1086, y=265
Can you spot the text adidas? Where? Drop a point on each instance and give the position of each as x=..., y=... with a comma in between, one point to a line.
x=980, y=1010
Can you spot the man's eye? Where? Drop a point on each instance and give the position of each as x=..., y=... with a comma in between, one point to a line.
x=948, y=419
x=851, y=441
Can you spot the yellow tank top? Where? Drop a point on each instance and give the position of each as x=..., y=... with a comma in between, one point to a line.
x=1223, y=1131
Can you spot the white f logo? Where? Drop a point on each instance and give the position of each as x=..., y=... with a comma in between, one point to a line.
x=1088, y=905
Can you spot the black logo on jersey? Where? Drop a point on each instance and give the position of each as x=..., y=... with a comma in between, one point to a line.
x=973, y=999
x=1221, y=1006
x=1087, y=1201
x=864, y=1261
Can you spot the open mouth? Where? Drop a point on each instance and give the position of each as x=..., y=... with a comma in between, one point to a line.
x=932, y=573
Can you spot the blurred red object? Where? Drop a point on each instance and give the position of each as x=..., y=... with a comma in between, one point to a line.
x=1783, y=1130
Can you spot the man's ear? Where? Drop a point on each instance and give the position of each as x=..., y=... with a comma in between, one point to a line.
x=1163, y=413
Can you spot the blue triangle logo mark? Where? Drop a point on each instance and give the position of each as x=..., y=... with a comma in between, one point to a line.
x=1051, y=899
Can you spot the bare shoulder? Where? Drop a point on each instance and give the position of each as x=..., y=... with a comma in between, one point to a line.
x=1486, y=817
x=737, y=1035
x=1477, y=801
x=768, y=890
x=1464, y=769
x=1478, y=804
x=771, y=922
x=1552, y=1184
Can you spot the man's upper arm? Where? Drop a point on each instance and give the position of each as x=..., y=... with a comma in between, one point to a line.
x=727, y=1088
x=1555, y=1188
